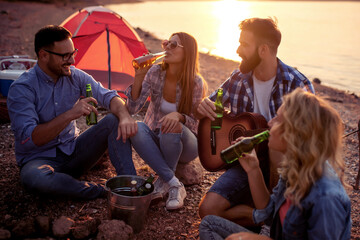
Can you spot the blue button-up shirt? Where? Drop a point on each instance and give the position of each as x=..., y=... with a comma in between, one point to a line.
x=35, y=98
x=238, y=94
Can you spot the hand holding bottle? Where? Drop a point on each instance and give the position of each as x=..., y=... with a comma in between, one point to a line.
x=83, y=108
x=147, y=60
x=140, y=72
x=217, y=123
x=91, y=118
x=245, y=145
x=206, y=108
x=249, y=161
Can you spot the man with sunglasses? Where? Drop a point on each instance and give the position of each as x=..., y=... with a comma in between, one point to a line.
x=43, y=106
x=258, y=86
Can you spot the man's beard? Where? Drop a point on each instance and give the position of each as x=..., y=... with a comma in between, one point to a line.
x=249, y=64
x=60, y=71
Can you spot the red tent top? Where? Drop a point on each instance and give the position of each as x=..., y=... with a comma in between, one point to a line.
x=96, y=30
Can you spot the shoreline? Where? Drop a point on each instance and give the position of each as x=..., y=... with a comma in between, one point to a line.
x=18, y=33
x=21, y=20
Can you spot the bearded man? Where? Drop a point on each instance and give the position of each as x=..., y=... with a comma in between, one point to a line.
x=258, y=86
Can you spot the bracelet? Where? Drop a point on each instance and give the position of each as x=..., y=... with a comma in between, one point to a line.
x=184, y=118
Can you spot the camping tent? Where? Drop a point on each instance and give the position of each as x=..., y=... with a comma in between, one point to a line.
x=107, y=44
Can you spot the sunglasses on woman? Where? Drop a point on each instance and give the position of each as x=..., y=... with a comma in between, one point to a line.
x=170, y=44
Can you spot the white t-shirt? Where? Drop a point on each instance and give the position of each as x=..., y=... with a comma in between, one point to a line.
x=167, y=107
x=262, y=93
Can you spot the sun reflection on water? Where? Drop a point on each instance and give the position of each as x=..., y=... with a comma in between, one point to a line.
x=228, y=13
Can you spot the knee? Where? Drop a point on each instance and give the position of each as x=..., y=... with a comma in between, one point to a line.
x=36, y=178
x=172, y=136
x=177, y=129
x=142, y=127
x=207, y=221
x=211, y=204
x=142, y=130
x=208, y=227
x=111, y=120
x=205, y=208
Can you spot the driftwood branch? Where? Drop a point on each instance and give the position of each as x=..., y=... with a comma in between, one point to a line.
x=358, y=174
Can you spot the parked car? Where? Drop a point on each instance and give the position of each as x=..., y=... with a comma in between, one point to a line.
x=11, y=67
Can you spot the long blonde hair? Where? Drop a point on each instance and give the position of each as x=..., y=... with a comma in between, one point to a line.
x=313, y=132
x=189, y=72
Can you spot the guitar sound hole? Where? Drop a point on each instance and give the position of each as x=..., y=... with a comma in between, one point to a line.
x=236, y=131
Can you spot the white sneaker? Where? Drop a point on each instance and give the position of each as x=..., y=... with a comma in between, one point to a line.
x=177, y=194
x=160, y=189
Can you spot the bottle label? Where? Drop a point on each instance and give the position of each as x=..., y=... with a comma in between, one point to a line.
x=217, y=123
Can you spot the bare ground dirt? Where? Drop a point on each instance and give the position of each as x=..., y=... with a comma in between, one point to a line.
x=19, y=22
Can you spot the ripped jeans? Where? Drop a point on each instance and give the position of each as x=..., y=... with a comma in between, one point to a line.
x=57, y=176
x=162, y=152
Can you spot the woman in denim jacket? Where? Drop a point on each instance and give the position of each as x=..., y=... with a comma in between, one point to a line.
x=168, y=134
x=309, y=201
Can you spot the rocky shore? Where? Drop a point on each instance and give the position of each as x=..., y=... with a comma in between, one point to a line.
x=21, y=211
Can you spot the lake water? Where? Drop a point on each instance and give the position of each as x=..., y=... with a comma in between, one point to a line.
x=321, y=39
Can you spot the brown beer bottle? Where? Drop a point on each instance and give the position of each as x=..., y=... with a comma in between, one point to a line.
x=91, y=119
x=232, y=153
x=144, y=61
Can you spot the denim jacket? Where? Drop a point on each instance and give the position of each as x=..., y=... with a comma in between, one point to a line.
x=325, y=212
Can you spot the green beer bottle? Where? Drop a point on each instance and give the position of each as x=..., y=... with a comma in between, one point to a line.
x=91, y=119
x=246, y=145
x=147, y=187
x=216, y=124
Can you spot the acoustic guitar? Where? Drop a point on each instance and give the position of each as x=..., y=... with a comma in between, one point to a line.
x=211, y=142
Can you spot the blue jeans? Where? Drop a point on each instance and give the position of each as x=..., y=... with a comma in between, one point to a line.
x=162, y=152
x=233, y=185
x=215, y=228
x=57, y=176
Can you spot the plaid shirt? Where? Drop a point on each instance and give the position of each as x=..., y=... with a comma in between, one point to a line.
x=239, y=89
x=153, y=85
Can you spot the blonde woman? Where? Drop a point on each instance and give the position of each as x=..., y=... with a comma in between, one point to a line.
x=309, y=201
x=168, y=133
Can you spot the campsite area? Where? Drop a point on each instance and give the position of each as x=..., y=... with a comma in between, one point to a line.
x=20, y=21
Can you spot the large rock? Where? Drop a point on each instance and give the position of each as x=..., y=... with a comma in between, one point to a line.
x=114, y=230
x=42, y=224
x=190, y=173
x=24, y=228
x=83, y=229
x=62, y=226
x=4, y=234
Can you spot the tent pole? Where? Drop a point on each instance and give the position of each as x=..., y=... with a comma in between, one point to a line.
x=109, y=56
